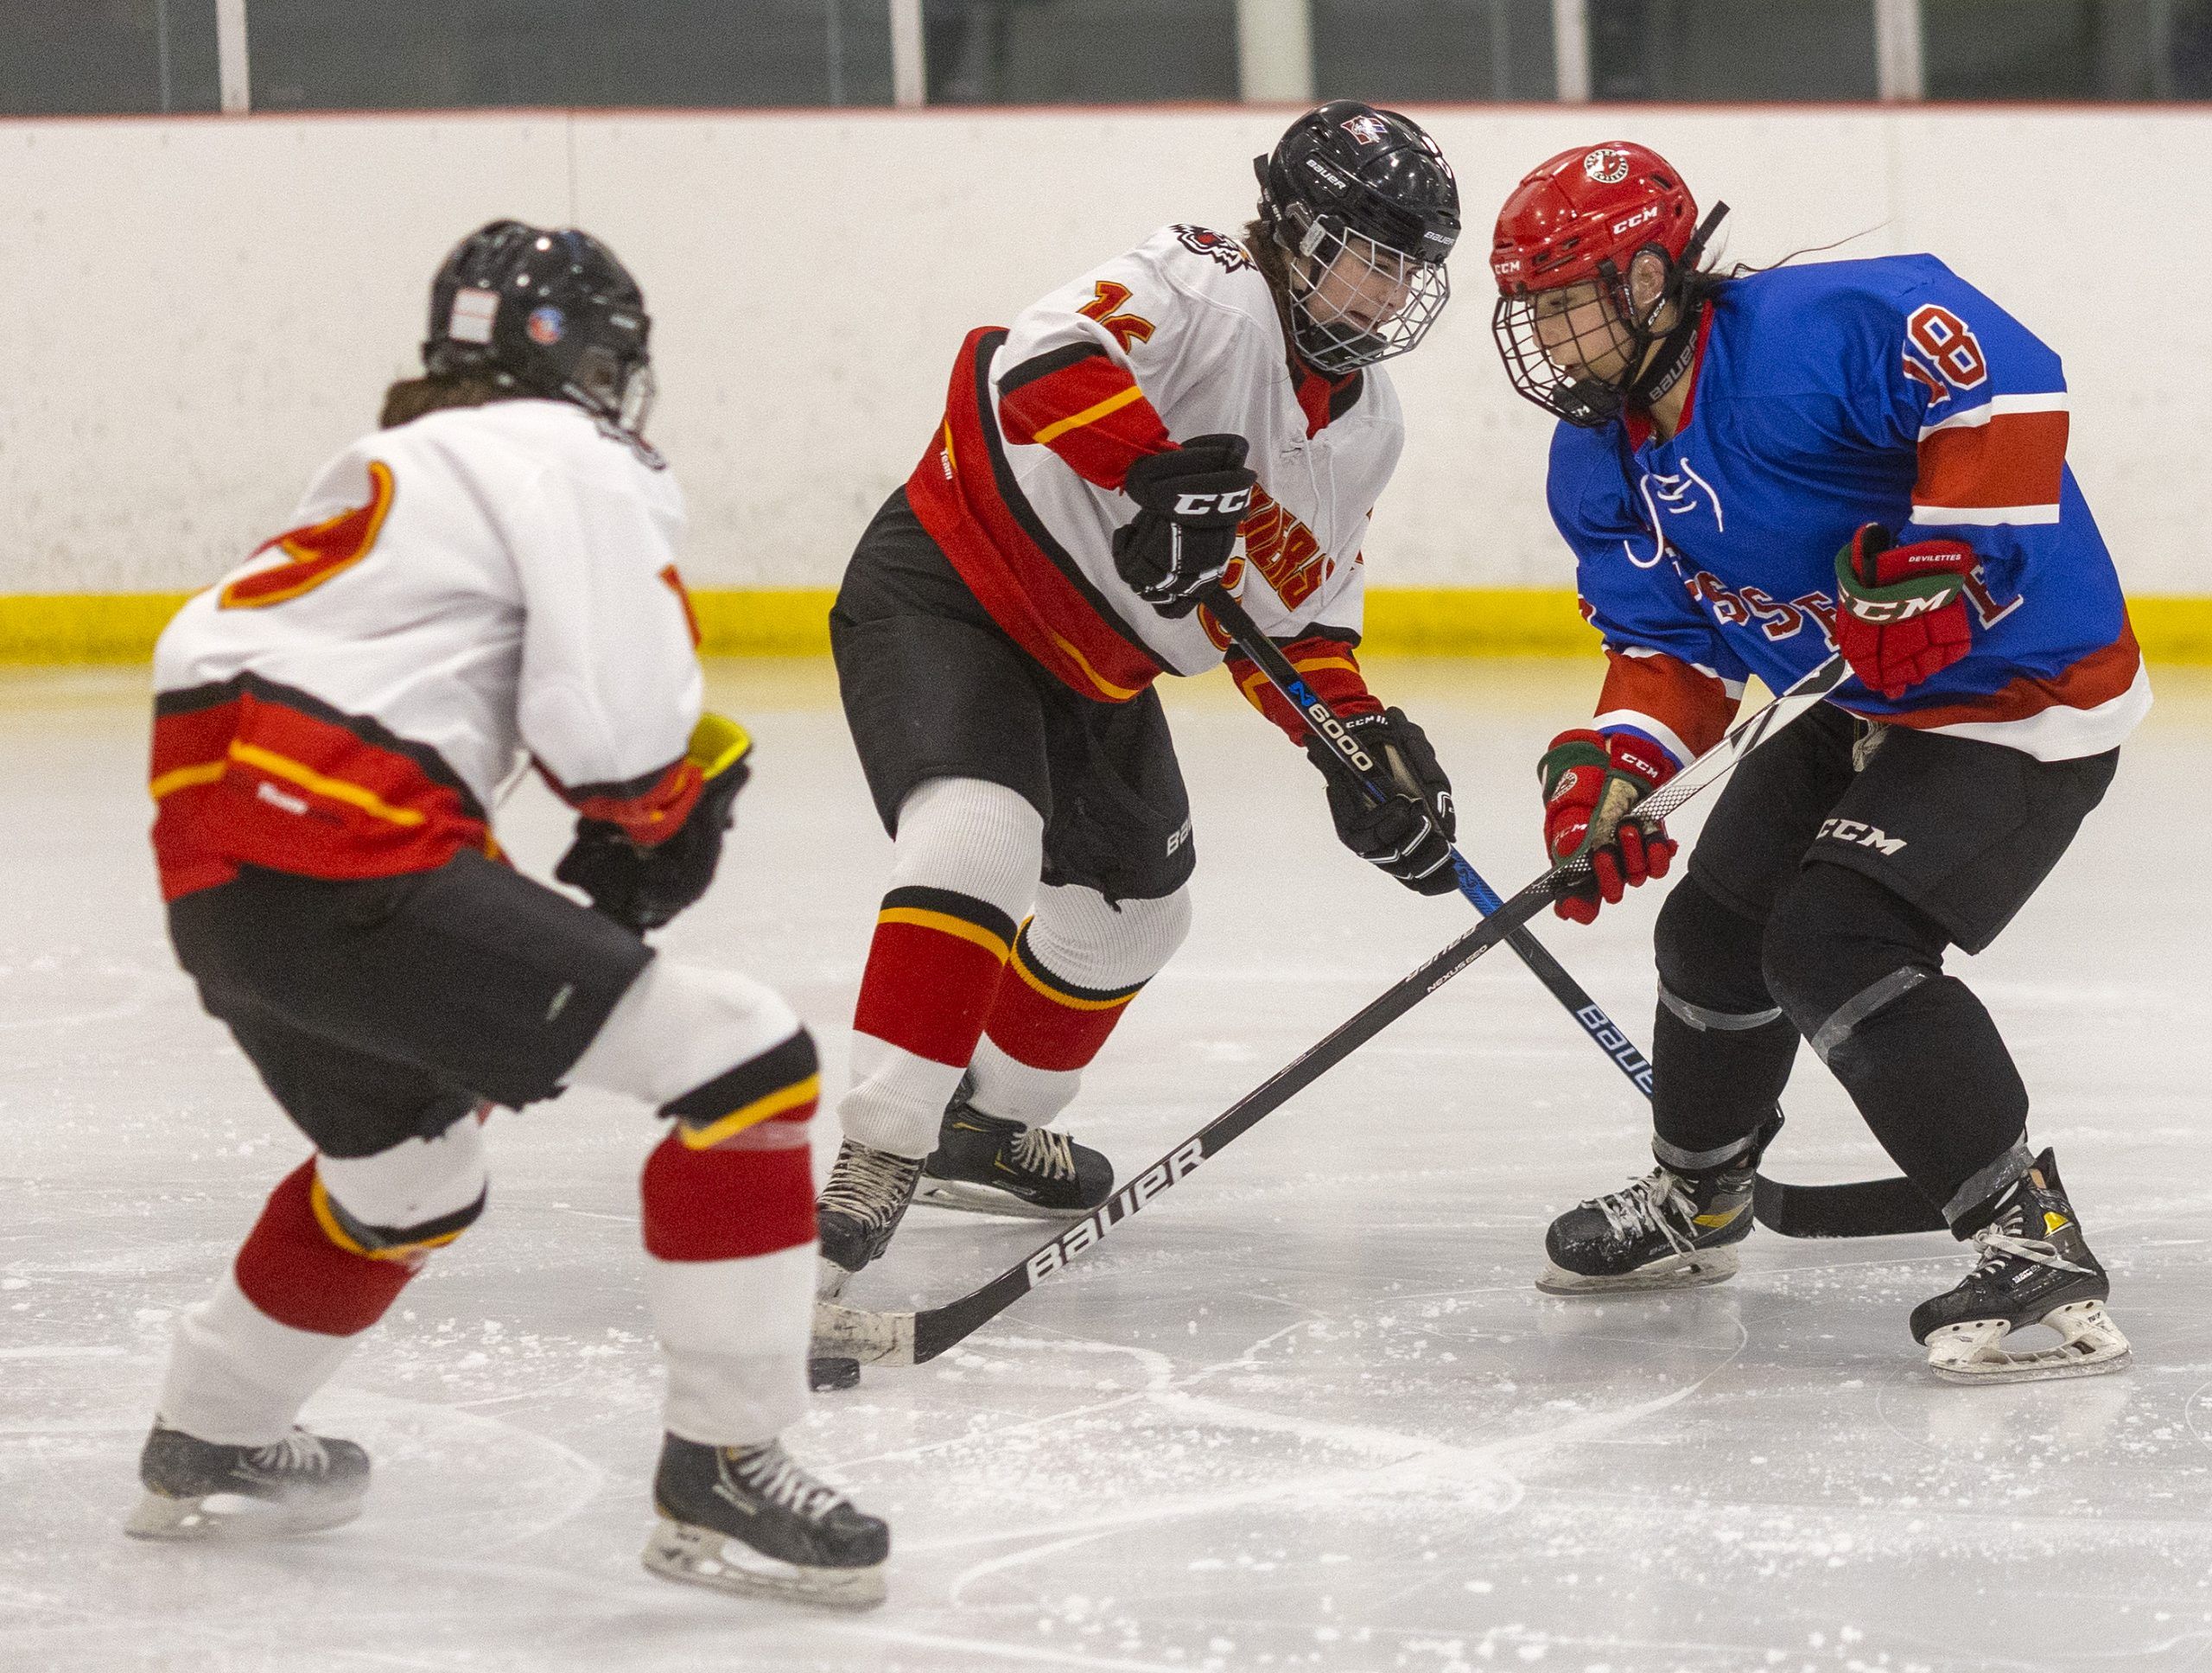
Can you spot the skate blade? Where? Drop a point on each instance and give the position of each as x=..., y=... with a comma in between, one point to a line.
x=1972, y=1351
x=233, y=1516
x=1702, y=1266
x=965, y=1198
x=700, y=1556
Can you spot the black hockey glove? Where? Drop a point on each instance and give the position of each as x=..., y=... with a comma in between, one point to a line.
x=1189, y=503
x=1410, y=835
x=642, y=888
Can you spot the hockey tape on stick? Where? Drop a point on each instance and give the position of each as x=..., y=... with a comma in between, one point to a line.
x=914, y=1337
x=1868, y=1208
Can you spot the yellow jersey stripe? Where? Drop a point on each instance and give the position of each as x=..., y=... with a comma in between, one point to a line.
x=946, y=923
x=338, y=790
x=1090, y=415
x=762, y=1108
x=1119, y=693
x=183, y=778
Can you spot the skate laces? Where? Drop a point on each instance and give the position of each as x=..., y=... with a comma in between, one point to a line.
x=1641, y=1205
x=1995, y=1247
x=868, y=1183
x=771, y=1473
x=1041, y=1150
x=298, y=1451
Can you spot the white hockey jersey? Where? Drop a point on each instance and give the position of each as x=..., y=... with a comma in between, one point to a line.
x=481, y=583
x=1179, y=338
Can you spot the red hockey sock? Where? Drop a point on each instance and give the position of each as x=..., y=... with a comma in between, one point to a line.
x=933, y=968
x=289, y=1267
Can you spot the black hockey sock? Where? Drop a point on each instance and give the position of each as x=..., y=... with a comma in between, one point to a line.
x=1860, y=972
x=1721, y=1046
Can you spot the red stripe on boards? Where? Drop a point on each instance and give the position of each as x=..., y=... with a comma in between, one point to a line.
x=290, y=1270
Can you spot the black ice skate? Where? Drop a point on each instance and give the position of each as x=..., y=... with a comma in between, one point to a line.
x=992, y=1167
x=200, y=1489
x=2035, y=1268
x=1666, y=1231
x=860, y=1208
x=748, y=1520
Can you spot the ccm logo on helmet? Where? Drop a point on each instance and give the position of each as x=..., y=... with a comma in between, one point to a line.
x=1650, y=212
x=1207, y=504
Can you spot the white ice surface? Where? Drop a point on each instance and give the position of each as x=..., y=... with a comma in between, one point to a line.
x=1305, y=1412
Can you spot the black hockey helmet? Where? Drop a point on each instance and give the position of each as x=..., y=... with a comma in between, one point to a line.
x=551, y=314
x=1348, y=181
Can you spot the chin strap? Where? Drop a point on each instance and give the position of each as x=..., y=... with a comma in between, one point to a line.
x=1679, y=347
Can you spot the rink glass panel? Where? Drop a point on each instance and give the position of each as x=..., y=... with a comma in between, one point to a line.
x=435, y=55
x=1407, y=51
x=1079, y=52
x=106, y=57
x=2068, y=49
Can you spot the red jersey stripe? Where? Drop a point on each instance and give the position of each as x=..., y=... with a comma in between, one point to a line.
x=2016, y=459
x=2098, y=677
x=1693, y=705
x=964, y=495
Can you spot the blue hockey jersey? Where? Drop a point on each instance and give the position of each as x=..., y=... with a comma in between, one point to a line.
x=1826, y=397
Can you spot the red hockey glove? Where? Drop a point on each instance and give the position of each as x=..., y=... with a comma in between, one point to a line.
x=1901, y=611
x=1592, y=782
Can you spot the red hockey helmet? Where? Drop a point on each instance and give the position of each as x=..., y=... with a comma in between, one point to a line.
x=1585, y=207
x=1584, y=216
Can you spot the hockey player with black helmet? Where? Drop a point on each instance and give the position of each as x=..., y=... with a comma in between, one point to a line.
x=1202, y=409
x=486, y=581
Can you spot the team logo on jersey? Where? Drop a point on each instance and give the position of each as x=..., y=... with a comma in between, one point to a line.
x=547, y=325
x=1219, y=247
x=1368, y=129
x=1607, y=165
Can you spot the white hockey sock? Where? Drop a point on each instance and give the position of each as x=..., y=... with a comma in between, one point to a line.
x=237, y=1377
x=736, y=1336
x=964, y=868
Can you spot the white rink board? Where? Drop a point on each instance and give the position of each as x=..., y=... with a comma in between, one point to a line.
x=1306, y=1412
x=213, y=306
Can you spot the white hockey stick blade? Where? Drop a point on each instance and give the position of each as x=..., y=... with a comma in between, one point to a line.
x=1973, y=1351
x=851, y=1333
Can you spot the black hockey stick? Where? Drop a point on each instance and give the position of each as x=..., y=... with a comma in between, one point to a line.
x=1866, y=1208
x=912, y=1338
x=1324, y=722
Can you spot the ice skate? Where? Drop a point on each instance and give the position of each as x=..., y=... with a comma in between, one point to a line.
x=988, y=1166
x=1666, y=1231
x=200, y=1489
x=748, y=1520
x=2035, y=1268
x=867, y=1195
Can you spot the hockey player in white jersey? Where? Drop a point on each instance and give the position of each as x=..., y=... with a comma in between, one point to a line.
x=1204, y=408
x=489, y=578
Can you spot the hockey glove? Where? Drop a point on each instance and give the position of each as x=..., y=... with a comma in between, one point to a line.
x=1592, y=781
x=1189, y=503
x=1410, y=835
x=642, y=888
x=1901, y=611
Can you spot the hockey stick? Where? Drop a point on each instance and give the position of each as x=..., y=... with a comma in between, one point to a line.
x=1866, y=1208
x=912, y=1337
x=1324, y=723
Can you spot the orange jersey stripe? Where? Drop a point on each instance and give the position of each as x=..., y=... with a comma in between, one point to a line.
x=2016, y=459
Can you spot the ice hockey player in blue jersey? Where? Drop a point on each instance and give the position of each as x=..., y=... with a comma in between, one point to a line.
x=1755, y=470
